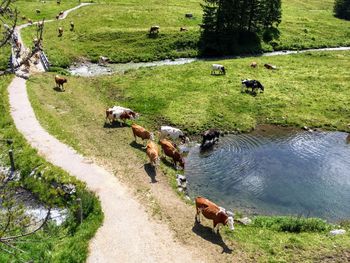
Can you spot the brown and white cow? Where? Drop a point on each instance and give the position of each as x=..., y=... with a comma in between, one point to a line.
x=60, y=81
x=139, y=131
x=152, y=153
x=253, y=64
x=212, y=211
x=120, y=113
x=170, y=151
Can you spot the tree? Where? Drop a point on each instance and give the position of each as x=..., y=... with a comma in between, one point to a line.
x=342, y=9
x=231, y=25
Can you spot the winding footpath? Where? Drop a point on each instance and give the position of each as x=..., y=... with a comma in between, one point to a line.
x=127, y=233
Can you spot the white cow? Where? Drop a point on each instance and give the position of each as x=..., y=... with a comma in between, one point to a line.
x=115, y=113
x=218, y=67
x=173, y=133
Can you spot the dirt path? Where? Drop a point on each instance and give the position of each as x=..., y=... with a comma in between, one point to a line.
x=127, y=234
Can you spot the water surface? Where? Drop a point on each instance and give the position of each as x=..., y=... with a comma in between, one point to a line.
x=281, y=172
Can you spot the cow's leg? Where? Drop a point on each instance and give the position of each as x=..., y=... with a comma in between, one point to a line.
x=197, y=217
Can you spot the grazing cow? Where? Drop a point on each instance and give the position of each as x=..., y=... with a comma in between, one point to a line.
x=154, y=30
x=211, y=135
x=118, y=112
x=60, y=81
x=183, y=29
x=189, y=15
x=218, y=67
x=60, y=31
x=211, y=211
x=270, y=66
x=254, y=64
x=170, y=151
x=152, y=153
x=139, y=131
x=173, y=133
x=253, y=84
x=37, y=11
x=71, y=26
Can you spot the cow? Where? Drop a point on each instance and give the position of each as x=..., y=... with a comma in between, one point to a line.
x=139, y=131
x=170, y=151
x=24, y=17
x=218, y=67
x=253, y=84
x=270, y=66
x=211, y=135
x=253, y=64
x=154, y=30
x=152, y=153
x=71, y=26
x=183, y=29
x=173, y=133
x=58, y=2
x=60, y=81
x=211, y=211
x=60, y=13
x=30, y=21
x=37, y=11
x=60, y=31
x=118, y=112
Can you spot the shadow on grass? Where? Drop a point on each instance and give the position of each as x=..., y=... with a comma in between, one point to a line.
x=151, y=172
x=167, y=163
x=58, y=89
x=138, y=146
x=115, y=124
x=207, y=234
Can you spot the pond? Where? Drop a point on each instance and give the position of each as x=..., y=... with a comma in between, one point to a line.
x=275, y=172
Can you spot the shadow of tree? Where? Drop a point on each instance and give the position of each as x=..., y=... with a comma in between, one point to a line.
x=207, y=234
x=151, y=172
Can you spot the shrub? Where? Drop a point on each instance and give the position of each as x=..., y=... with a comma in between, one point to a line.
x=342, y=9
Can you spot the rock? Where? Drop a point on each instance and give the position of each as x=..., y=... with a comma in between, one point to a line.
x=336, y=232
x=245, y=221
x=69, y=189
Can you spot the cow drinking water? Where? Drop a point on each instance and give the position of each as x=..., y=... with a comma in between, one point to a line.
x=211, y=136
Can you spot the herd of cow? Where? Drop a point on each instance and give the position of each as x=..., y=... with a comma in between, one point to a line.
x=168, y=139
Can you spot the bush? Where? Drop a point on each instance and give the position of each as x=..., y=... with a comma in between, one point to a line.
x=342, y=9
x=291, y=224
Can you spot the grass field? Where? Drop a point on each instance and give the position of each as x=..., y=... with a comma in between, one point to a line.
x=119, y=30
x=67, y=243
x=308, y=89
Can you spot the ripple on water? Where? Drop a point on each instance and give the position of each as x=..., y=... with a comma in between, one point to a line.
x=300, y=173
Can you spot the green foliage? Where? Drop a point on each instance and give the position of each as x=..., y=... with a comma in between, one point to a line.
x=342, y=9
x=228, y=24
x=292, y=224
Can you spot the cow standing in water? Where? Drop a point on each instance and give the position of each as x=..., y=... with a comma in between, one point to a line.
x=211, y=211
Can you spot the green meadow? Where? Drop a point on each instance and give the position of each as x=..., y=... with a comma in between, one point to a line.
x=307, y=89
x=119, y=29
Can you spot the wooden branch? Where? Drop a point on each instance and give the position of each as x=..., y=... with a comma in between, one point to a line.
x=30, y=233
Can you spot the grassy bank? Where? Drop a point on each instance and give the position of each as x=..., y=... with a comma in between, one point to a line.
x=119, y=30
x=69, y=242
x=308, y=89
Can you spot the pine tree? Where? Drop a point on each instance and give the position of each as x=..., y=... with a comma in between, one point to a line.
x=228, y=23
x=342, y=9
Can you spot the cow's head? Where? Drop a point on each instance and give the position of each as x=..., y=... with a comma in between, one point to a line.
x=223, y=69
x=230, y=220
